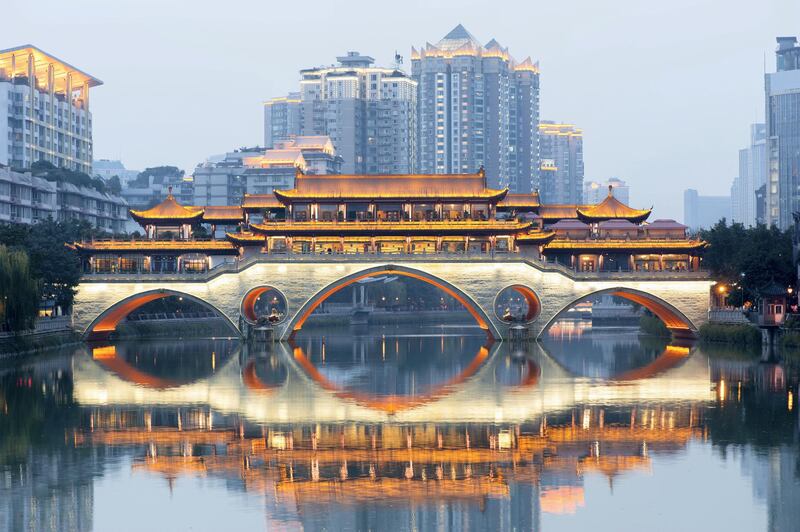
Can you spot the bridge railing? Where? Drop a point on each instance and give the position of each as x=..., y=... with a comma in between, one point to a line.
x=478, y=257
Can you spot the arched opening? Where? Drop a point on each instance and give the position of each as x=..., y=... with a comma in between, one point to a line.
x=264, y=302
x=591, y=304
x=107, y=323
x=474, y=310
x=517, y=303
x=164, y=364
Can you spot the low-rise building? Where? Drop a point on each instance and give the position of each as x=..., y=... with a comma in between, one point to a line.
x=28, y=199
x=106, y=169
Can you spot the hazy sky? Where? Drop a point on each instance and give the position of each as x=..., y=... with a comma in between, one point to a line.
x=664, y=91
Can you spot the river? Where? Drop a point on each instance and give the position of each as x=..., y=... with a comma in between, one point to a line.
x=401, y=428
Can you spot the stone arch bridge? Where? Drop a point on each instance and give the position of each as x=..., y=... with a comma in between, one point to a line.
x=680, y=299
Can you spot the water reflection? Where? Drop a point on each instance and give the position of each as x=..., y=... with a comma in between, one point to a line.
x=403, y=429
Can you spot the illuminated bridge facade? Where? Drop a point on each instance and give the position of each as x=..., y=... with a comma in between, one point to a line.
x=681, y=300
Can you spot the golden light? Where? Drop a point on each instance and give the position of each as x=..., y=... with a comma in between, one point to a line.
x=278, y=441
x=504, y=440
x=722, y=289
x=790, y=404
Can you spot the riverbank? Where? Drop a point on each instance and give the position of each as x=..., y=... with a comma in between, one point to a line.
x=15, y=346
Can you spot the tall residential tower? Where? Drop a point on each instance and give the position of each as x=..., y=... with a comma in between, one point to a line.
x=477, y=107
x=44, y=110
x=561, y=169
x=367, y=111
x=782, y=90
x=752, y=175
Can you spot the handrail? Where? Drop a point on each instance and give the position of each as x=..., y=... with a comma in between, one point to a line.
x=241, y=265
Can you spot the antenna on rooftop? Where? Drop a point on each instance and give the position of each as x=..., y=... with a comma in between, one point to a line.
x=398, y=60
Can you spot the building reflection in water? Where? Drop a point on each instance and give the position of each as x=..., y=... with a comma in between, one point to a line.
x=369, y=433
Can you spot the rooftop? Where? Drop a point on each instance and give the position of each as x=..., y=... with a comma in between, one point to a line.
x=611, y=208
x=14, y=62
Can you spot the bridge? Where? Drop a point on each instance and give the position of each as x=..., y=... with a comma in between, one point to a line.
x=679, y=298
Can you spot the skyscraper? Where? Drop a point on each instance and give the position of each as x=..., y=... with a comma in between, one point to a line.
x=477, y=108
x=702, y=212
x=44, y=110
x=561, y=168
x=752, y=174
x=782, y=90
x=367, y=111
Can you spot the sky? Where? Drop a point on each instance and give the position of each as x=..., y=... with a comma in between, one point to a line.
x=664, y=91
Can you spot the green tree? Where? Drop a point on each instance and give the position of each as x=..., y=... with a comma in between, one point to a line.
x=748, y=257
x=19, y=291
x=114, y=185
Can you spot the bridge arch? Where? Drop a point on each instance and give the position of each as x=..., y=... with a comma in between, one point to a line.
x=106, y=323
x=675, y=320
x=475, y=310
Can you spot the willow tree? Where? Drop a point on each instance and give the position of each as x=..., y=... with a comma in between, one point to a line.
x=19, y=291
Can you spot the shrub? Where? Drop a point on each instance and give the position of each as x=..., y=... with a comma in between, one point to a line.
x=744, y=335
x=654, y=326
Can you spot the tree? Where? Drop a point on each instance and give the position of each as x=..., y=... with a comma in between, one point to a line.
x=114, y=185
x=158, y=173
x=19, y=291
x=751, y=258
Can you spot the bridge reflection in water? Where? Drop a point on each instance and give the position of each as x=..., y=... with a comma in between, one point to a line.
x=392, y=418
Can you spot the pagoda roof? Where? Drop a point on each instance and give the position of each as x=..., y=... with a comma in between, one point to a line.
x=773, y=289
x=617, y=223
x=318, y=228
x=516, y=201
x=391, y=187
x=168, y=210
x=554, y=211
x=569, y=223
x=665, y=224
x=261, y=201
x=210, y=247
x=220, y=214
x=640, y=245
x=245, y=238
x=611, y=208
x=535, y=237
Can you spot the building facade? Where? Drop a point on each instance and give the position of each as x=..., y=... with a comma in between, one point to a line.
x=477, y=107
x=226, y=180
x=283, y=118
x=752, y=175
x=782, y=91
x=595, y=191
x=44, y=110
x=368, y=112
x=106, y=169
x=28, y=199
x=702, y=212
x=561, y=166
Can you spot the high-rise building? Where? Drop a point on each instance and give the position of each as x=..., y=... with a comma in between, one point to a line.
x=477, y=107
x=594, y=192
x=752, y=174
x=44, y=110
x=368, y=112
x=782, y=91
x=702, y=212
x=282, y=118
x=561, y=167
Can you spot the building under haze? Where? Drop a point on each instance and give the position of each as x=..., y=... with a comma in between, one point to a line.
x=44, y=110
x=752, y=175
x=561, y=168
x=224, y=180
x=782, y=90
x=107, y=169
x=477, y=107
x=702, y=212
x=595, y=192
x=367, y=111
x=282, y=118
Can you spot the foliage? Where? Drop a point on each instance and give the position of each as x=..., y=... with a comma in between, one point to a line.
x=742, y=335
x=114, y=185
x=753, y=257
x=158, y=173
x=52, y=263
x=19, y=291
x=52, y=173
x=650, y=324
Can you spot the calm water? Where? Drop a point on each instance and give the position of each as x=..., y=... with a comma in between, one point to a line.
x=401, y=429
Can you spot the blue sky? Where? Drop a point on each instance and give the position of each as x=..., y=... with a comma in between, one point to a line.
x=664, y=91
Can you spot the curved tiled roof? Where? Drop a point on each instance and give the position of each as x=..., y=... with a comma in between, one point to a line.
x=611, y=208
x=168, y=210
